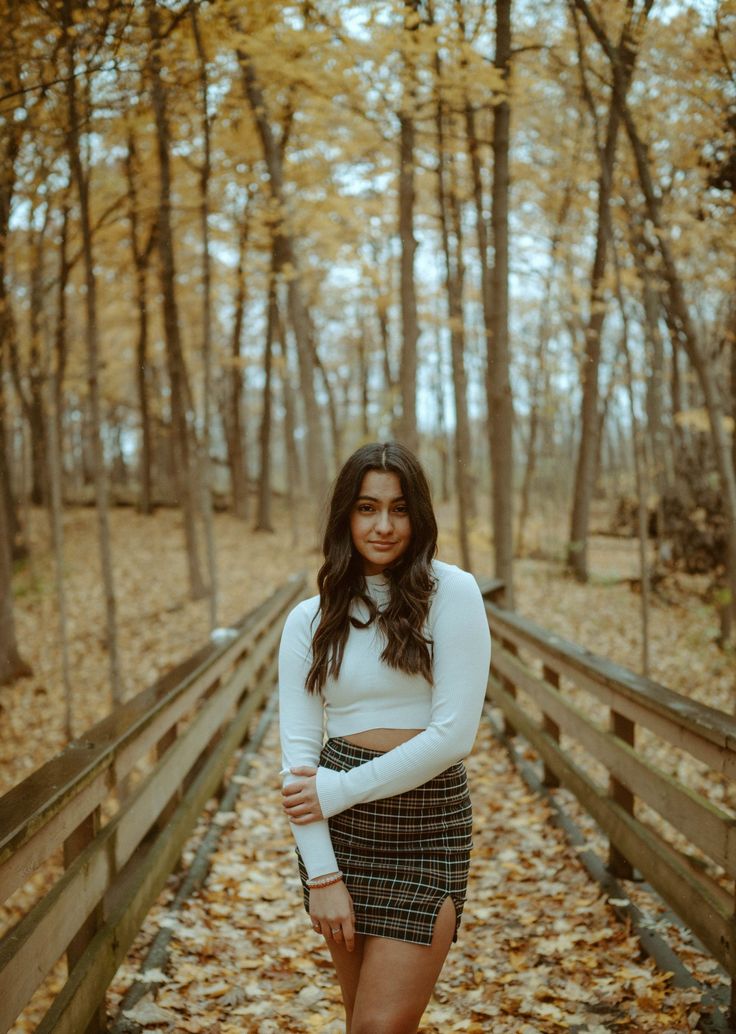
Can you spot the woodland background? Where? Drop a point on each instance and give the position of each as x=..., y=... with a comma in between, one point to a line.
x=238, y=240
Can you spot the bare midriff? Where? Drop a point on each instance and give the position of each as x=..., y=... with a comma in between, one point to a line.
x=381, y=739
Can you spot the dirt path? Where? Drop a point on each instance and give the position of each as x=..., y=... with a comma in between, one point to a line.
x=539, y=951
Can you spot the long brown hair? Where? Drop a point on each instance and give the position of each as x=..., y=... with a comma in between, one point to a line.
x=341, y=580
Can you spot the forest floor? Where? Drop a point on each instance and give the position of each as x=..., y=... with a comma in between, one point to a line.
x=159, y=626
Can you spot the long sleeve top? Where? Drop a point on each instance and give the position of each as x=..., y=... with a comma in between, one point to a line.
x=368, y=694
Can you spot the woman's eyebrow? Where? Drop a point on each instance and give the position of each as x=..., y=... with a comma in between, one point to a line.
x=373, y=499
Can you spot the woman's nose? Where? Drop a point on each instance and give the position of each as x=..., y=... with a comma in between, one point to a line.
x=383, y=521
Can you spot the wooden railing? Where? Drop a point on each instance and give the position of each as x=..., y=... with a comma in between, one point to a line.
x=119, y=804
x=549, y=690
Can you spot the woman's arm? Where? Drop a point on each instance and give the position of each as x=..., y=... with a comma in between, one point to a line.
x=462, y=654
x=300, y=723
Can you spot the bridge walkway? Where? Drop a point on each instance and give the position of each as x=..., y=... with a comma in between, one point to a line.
x=540, y=947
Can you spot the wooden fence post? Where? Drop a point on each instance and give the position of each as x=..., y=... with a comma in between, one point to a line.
x=166, y=741
x=618, y=863
x=74, y=844
x=508, y=685
x=550, y=726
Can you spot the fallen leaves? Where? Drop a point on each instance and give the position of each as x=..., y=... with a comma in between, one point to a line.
x=538, y=949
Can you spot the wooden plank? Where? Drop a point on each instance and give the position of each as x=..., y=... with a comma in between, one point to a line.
x=22, y=861
x=706, y=722
x=695, y=864
x=32, y=803
x=32, y=948
x=87, y=984
x=679, y=886
x=144, y=807
x=25, y=808
x=151, y=732
x=21, y=865
x=667, y=726
x=84, y=770
x=703, y=823
x=491, y=588
x=157, y=725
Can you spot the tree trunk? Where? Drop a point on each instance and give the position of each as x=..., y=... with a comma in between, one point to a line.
x=57, y=536
x=441, y=435
x=382, y=295
x=332, y=411
x=454, y=280
x=588, y=447
x=11, y=522
x=31, y=395
x=36, y=409
x=91, y=337
x=409, y=324
x=12, y=665
x=298, y=313
x=294, y=478
x=236, y=427
x=12, y=134
x=57, y=363
x=498, y=383
x=652, y=305
x=141, y=257
x=363, y=373
x=642, y=481
x=733, y=389
x=205, y=466
x=185, y=463
x=540, y=376
x=474, y=157
x=263, y=512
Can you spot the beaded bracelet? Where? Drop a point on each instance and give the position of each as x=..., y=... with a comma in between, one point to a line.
x=317, y=882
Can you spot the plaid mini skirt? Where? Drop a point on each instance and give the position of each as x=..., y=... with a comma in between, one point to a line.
x=401, y=856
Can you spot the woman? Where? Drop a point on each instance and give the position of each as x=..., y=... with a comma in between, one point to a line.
x=394, y=653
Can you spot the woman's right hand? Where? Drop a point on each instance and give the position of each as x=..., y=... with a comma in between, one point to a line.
x=332, y=914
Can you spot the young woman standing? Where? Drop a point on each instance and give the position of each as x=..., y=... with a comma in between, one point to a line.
x=394, y=653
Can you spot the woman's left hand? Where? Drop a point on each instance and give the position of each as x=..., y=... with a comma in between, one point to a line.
x=300, y=799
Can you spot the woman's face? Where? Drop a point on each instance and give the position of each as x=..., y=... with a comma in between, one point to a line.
x=379, y=521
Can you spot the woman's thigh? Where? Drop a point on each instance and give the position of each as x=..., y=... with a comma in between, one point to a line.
x=397, y=979
x=347, y=966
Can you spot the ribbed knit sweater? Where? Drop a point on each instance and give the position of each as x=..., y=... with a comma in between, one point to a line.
x=370, y=695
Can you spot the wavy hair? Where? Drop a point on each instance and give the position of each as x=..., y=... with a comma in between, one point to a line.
x=341, y=580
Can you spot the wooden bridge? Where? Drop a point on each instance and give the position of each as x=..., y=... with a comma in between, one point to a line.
x=89, y=842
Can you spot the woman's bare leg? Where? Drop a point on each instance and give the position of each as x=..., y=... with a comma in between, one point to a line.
x=348, y=965
x=396, y=979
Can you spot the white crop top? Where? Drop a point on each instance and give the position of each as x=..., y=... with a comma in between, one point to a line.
x=370, y=695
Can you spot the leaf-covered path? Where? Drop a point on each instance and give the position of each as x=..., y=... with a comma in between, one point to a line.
x=539, y=950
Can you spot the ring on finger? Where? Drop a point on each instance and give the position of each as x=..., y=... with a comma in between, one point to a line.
x=337, y=929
